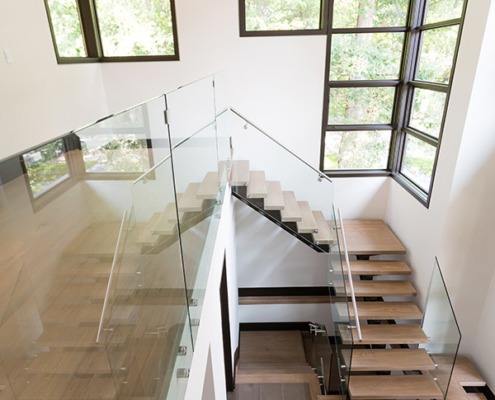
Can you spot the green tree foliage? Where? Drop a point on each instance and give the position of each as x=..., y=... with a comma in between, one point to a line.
x=437, y=53
x=376, y=13
x=135, y=27
x=273, y=15
x=64, y=15
x=418, y=161
x=427, y=111
x=443, y=10
x=120, y=154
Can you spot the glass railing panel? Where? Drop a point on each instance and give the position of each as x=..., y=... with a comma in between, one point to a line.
x=319, y=354
x=127, y=143
x=198, y=177
x=279, y=164
x=343, y=320
x=148, y=316
x=440, y=325
x=190, y=108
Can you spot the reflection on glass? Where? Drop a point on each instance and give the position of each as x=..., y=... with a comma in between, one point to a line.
x=427, y=111
x=437, y=52
x=46, y=166
x=369, y=13
x=357, y=150
x=367, y=56
x=115, y=153
x=66, y=24
x=129, y=28
x=361, y=105
x=440, y=325
x=282, y=15
x=443, y=10
x=418, y=162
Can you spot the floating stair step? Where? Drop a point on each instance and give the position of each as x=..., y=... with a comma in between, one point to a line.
x=257, y=188
x=166, y=224
x=189, y=202
x=394, y=387
x=375, y=310
x=308, y=223
x=381, y=288
x=378, y=267
x=325, y=235
x=368, y=237
x=146, y=237
x=275, y=198
x=386, y=334
x=209, y=187
x=252, y=300
x=291, y=212
x=388, y=360
x=239, y=173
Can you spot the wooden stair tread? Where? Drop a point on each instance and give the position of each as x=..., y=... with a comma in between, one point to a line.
x=379, y=267
x=307, y=224
x=381, y=288
x=189, y=202
x=394, y=387
x=387, y=310
x=291, y=212
x=257, y=188
x=325, y=234
x=209, y=186
x=146, y=236
x=386, y=334
x=368, y=237
x=166, y=223
x=274, y=199
x=239, y=173
x=388, y=360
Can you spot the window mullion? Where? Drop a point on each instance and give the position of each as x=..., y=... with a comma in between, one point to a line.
x=90, y=28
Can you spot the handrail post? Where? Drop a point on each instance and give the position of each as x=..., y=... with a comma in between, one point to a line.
x=349, y=274
x=114, y=262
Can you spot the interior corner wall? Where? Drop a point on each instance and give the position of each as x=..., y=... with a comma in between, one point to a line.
x=418, y=227
x=40, y=99
x=466, y=246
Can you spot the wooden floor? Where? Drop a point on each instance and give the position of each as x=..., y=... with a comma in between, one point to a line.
x=272, y=366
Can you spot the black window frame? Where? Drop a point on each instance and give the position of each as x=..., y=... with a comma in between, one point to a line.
x=403, y=101
x=92, y=39
x=322, y=30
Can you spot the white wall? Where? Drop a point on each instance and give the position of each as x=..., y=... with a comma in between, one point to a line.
x=40, y=99
x=466, y=247
x=275, y=81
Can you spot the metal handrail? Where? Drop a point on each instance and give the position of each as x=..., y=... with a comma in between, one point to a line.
x=351, y=285
x=321, y=174
x=114, y=262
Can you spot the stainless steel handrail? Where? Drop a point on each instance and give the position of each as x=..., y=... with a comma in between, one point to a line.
x=349, y=275
x=114, y=263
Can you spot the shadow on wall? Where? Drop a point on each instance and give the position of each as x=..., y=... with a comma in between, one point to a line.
x=466, y=249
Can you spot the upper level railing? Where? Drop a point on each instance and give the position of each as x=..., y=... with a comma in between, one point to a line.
x=95, y=301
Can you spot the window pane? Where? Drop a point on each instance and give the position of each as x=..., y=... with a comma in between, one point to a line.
x=46, y=166
x=369, y=13
x=366, y=56
x=135, y=28
x=427, y=111
x=66, y=25
x=361, y=105
x=443, y=10
x=276, y=15
x=357, y=150
x=418, y=162
x=437, y=53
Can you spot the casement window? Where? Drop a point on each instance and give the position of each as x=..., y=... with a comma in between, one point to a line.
x=282, y=17
x=113, y=30
x=390, y=66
